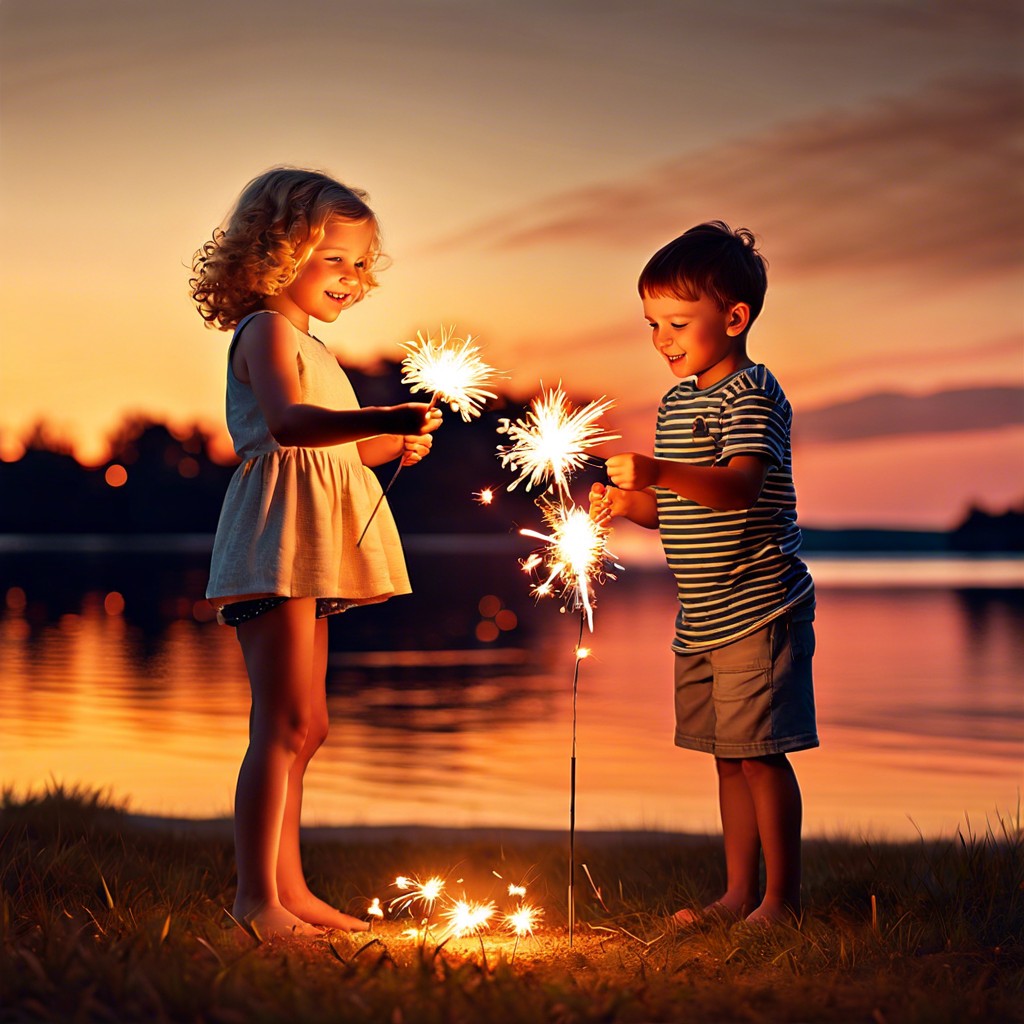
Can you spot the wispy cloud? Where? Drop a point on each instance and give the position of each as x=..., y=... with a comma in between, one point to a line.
x=957, y=410
x=931, y=181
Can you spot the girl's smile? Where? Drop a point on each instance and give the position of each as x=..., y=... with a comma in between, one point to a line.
x=332, y=278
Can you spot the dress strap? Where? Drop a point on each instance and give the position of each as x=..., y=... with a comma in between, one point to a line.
x=241, y=324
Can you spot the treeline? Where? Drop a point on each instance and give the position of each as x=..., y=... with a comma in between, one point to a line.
x=156, y=481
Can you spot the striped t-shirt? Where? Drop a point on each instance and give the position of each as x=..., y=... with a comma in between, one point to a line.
x=735, y=570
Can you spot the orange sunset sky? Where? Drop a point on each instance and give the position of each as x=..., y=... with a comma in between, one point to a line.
x=525, y=159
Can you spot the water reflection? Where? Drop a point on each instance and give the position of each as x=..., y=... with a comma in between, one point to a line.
x=441, y=715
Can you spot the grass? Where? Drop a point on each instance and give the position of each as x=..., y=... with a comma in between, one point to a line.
x=104, y=920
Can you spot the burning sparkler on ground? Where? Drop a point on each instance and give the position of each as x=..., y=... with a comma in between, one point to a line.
x=550, y=443
x=548, y=446
x=452, y=371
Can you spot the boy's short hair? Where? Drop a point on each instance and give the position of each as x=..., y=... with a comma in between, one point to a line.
x=710, y=259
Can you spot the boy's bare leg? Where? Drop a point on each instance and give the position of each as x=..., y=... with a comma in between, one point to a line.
x=779, y=808
x=276, y=648
x=292, y=887
x=742, y=848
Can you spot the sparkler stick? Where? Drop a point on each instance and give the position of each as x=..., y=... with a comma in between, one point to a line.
x=572, y=783
x=551, y=442
x=453, y=372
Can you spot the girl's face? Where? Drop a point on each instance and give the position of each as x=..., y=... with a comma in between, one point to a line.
x=697, y=339
x=334, y=276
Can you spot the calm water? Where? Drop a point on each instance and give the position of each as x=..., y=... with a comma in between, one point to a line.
x=453, y=706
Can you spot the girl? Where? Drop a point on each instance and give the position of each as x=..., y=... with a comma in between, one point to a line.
x=298, y=245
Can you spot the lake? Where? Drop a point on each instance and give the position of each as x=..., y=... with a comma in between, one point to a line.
x=453, y=707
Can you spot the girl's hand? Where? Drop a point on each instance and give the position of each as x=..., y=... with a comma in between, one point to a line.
x=414, y=418
x=415, y=448
x=632, y=472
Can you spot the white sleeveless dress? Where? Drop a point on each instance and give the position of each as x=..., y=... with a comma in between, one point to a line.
x=292, y=515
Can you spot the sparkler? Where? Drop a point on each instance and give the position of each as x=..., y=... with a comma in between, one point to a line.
x=551, y=442
x=413, y=889
x=466, y=918
x=521, y=922
x=485, y=496
x=452, y=370
x=575, y=558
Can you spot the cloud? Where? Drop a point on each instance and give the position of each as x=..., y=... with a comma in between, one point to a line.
x=931, y=181
x=885, y=414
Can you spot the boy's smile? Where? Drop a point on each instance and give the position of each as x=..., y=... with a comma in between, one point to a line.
x=696, y=338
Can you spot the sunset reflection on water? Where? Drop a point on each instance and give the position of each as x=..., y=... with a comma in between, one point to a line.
x=920, y=709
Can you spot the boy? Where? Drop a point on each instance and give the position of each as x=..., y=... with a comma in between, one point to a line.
x=720, y=490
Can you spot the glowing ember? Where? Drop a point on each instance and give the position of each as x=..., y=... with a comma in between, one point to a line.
x=484, y=497
x=516, y=890
x=374, y=909
x=582, y=652
x=575, y=557
x=465, y=918
x=451, y=369
x=413, y=889
x=523, y=919
x=551, y=442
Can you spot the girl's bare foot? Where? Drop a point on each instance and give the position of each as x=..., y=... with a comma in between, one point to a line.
x=315, y=911
x=272, y=921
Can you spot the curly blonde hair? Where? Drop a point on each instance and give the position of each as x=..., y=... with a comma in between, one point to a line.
x=279, y=219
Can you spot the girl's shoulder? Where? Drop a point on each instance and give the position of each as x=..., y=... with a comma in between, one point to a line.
x=265, y=335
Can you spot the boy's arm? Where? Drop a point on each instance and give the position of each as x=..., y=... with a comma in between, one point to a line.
x=733, y=485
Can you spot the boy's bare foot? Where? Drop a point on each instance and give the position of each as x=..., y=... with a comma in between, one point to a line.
x=771, y=913
x=718, y=912
x=315, y=911
x=272, y=921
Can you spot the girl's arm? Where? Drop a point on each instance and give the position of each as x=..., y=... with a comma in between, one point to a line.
x=266, y=358
x=735, y=485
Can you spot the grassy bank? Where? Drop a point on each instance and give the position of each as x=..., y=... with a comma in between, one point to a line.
x=102, y=920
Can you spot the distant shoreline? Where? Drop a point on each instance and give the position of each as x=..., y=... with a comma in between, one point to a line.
x=865, y=541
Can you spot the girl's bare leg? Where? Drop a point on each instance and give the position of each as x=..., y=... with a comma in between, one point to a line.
x=779, y=808
x=742, y=848
x=277, y=649
x=292, y=888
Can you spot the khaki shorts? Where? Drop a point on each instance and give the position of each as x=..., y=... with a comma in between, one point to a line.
x=752, y=697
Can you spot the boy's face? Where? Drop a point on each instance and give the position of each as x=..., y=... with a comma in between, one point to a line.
x=696, y=338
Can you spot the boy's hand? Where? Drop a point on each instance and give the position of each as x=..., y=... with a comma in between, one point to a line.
x=631, y=471
x=606, y=503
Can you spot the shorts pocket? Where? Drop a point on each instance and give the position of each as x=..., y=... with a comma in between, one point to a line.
x=801, y=639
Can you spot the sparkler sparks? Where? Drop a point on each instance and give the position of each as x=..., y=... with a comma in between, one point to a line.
x=466, y=918
x=523, y=919
x=413, y=889
x=575, y=557
x=451, y=369
x=485, y=496
x=551, y=442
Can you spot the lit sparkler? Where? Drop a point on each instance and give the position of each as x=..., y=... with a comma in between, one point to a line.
x=453, y=373
x=516, y=890
x=485, y=496
x=451, y=370
x=575, y=558
x=466, y=918
x=412, y=889
x=551, y=442
x=523, y=919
